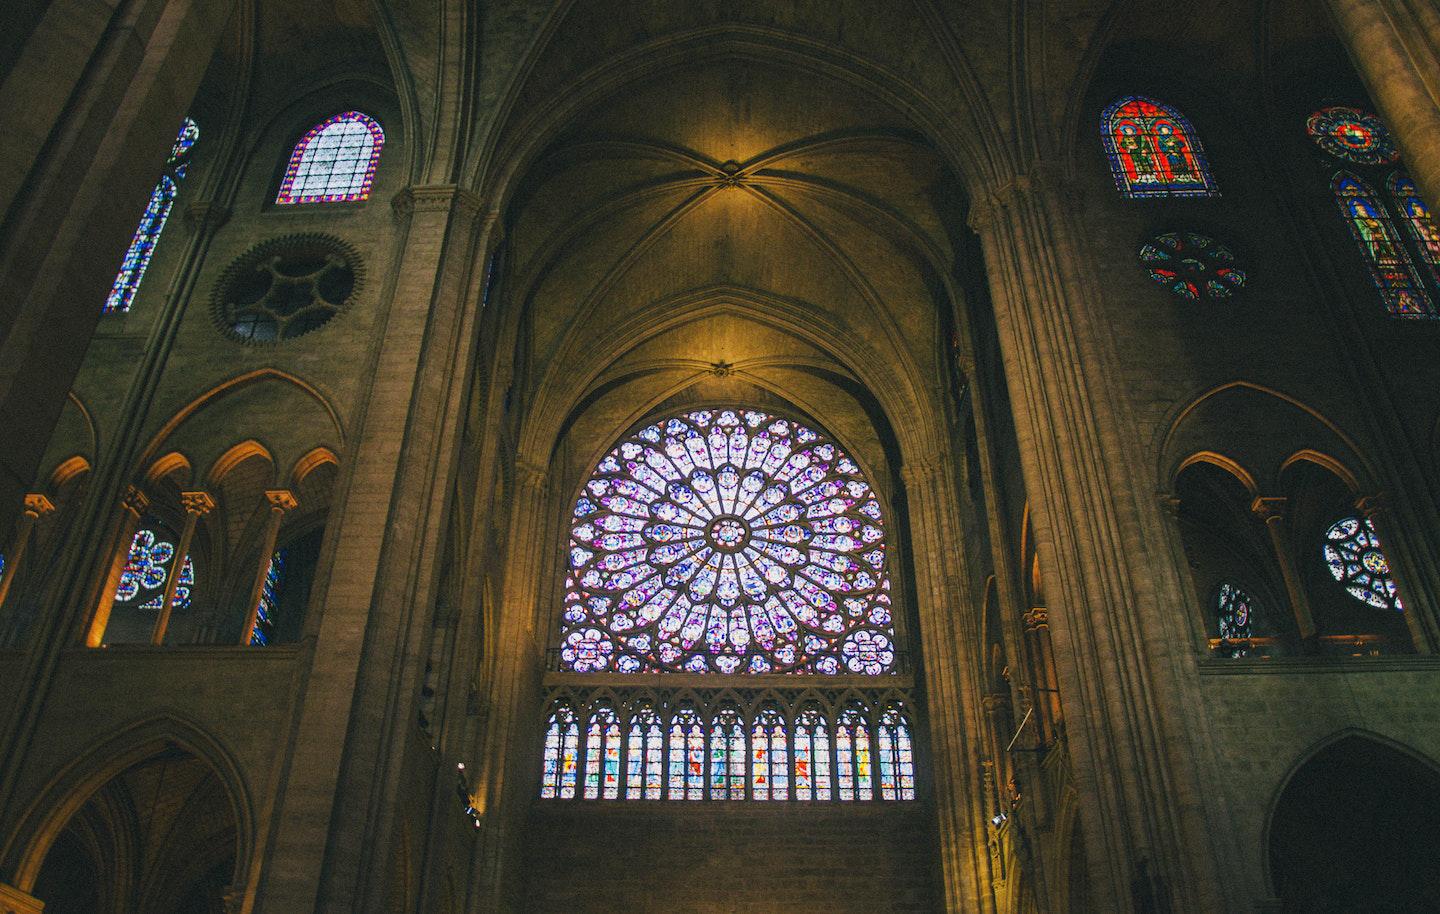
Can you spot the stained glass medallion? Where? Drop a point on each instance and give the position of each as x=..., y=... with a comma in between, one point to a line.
x=1235, y=612
x=1192, y=266
x=148, y=567
x=1356, y=560
x=1153, y=150
x=728, y=541
x=1353, y=135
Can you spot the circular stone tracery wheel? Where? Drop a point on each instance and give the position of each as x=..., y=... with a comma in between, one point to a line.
x=1353, y=135
x=727, y=541
x=1192, y=265
x=1356, y=560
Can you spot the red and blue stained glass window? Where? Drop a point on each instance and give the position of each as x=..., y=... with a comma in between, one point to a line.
x=1192, y=266
x=727, y=755
x=334, y=162
x=152, y=222
x=687, y=756
x=644, y=755
x=770, y=757
x=1353, y=135
x=812, y=756
x=1390, y=267
x=1153, y=151
x=148, y=567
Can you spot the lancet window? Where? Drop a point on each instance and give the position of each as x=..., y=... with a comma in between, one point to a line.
x=152, y=221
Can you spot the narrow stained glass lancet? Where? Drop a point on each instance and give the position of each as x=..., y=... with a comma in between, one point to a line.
x=852, y=754
x=728, y=541
x=1357, y=561
x=267, y=611
x=1153, y=150
x=1390, y=266
x=152, y=221
x=644, y=755
x=812, y=756
x=602, y=755
x=770, y=757
x=687, y=756
x=727, y=756
x=334, y=162
x=562, y=738
x=897, y=760
x=1416, y=216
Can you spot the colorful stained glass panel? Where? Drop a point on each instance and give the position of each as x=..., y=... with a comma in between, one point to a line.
x=152, y=222
x=1353, y=135
x=1192, y=266
x=1356, y=560
x=334, y=162
x=1154, y=151
x=1390, y=266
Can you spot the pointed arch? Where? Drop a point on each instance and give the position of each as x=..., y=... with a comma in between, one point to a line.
x=334, y=162
x=1390, y=267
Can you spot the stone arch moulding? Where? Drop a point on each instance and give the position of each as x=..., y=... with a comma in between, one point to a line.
x=1216, y=459
x=1169, y=440
x=66, y=470
x=1277, y=791
x=1326, y=462
x=234, y=456
x=75, y=783
x=171, y=463
x=309, y=463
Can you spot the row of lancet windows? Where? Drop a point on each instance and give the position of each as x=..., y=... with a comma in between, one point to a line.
x=688, y=752
x=334, y=162
x=1155, y=152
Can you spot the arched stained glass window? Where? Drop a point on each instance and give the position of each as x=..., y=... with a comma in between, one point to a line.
x=267, y=612
x=644, y=755
x=334, y=162
x=728, y=541
x=727, y=755
x=897, y=760
x=602, y=754
x=1153, y=150
x=812, y=756
x=770, y=757
x=852, y=755
x=562, y=743
x=1235, y=612
x=147, y=569
x=1356, y=560
x=152, y=221
x=687, y=755
x=1390, y=266
x=1416, y=217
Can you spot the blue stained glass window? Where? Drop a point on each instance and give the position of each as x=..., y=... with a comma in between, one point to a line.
x=1416, y=217
x=562, y=741
x=334, y=162
x=644, y=762
x=1357, y=561
x=265, y=613
x=602, y=755
x=727, y=756
x=147, y=233
x=1153, y=150
x=687, y=756
x=1390, y=267
x=148, y=567
x=897, y=758
x=770, y=757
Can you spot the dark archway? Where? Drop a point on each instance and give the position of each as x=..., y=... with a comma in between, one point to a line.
x=1357, y=829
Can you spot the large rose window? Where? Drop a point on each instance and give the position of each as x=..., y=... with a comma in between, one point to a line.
x=728, y=541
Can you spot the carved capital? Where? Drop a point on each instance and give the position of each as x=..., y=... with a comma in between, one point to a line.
x=1268, y=509
x=281, y=500
x=1037, y=618
x=206, y=215
x=436, y=198
x=1371, y=507
x=197, y=503
x=987, y=204
x=135, y=501
x=37, y=505
x=1169, y=503
x=532, y=476
x=994, y=702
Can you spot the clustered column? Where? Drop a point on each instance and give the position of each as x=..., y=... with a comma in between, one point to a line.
x=281, y=500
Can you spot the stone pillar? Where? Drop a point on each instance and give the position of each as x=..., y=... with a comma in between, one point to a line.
x=36, y=506
x=1394, y=44
x=1121, y=644
x=1037, y=634
x=197, y=505
x=132, y=508
x=1272, y=512
x=14, y=901
x=280, y=501
x=1373, y=509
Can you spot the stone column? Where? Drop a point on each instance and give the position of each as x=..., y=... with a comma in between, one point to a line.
x=280, y=501
x=1373, y=509
x=197, y=505
x=132, y=508
x=1121, y=644
x=36, y=506
x=1037, y=634
x=14, y=901
x=1272, y=512
x=1393, y=44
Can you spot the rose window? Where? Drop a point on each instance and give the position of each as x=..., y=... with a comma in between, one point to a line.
x=728, y=541
x=1353, y=135
x=1356, y=560
x=1192, y=266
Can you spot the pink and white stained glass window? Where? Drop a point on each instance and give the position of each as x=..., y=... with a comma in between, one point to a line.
x=334, y=162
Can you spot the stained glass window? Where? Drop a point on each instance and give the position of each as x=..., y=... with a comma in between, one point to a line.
x=152, y=221
x=334, y=162
x=727, y=755
x=265, y=613
x=1390, y=266
x=602, y=755
x=562, y=743
x=1356, y=560
x=1353, y=135
x=148, y=567
x=897, y=759
x=770, y=757
x=1235, y=611
x=1153, y=151
x=812, y=756
x=687, y=756
x=1192, y=266
x=644, y=755
x=852, y=755
x=1416, y=217
x=728, y=541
